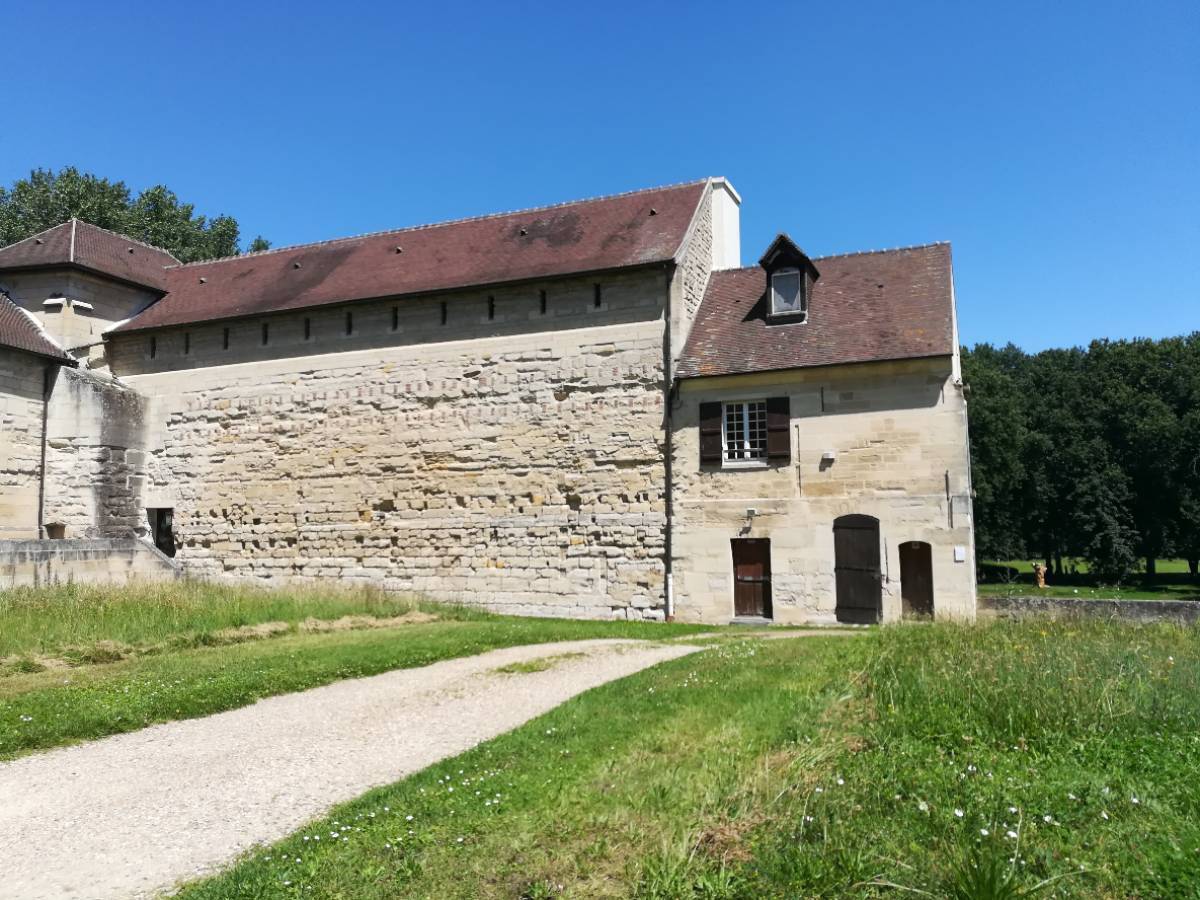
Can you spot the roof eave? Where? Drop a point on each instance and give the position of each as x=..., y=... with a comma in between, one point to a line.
x=846, y=362
x=129, y=327
x=64, y=360
x=91, y=270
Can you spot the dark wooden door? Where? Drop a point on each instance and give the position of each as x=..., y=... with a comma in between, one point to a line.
x=856, y=566
x=916, y=578
x=162, y=528
x=752, y=577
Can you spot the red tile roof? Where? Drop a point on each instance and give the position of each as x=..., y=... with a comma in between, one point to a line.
x=864, y=307
x=20, y=331
x=76, y=243
x=572, y=238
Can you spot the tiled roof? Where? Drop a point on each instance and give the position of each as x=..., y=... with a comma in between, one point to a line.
x=20, y=331
x=572, y=238
x=864, y=307
x=76, y=243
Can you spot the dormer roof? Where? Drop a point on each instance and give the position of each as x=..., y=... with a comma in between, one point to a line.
x=78, y=244
x=784, y=253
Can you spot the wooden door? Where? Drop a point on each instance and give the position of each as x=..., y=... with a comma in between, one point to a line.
x=916, y=579
x=856, y=566
x=752, y=577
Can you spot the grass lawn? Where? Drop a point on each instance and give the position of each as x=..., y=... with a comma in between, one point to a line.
x=79, y=663
x=1015, y=578
x=927, y=760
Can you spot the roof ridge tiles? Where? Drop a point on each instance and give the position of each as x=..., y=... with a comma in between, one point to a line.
x=428, y=225
x=883, y=250
x=756, y=266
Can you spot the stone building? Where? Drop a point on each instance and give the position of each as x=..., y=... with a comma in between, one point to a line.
x=581, y=410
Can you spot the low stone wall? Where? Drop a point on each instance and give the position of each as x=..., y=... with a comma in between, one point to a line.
x=1184, y=612
x=99, y=561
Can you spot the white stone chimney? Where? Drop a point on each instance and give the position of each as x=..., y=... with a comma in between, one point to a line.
x=726, y=225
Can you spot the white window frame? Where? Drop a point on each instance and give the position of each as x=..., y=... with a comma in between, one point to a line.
x=744, y=462
x=800, y=315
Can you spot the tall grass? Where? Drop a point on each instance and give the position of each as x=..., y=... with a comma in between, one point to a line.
x=1041, y=682
x=46, y=620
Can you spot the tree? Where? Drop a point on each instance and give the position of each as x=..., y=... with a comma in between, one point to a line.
x=156, y=216
x=998, y=430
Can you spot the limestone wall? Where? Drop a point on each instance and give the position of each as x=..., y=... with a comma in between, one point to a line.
x=514, y=461
x=96, y=432
x=899, y=434
x=21, y=392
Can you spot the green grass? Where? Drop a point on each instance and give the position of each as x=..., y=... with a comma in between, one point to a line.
x=1014, y=578
x=887, y=765
x=148, y=614
x=105, y=661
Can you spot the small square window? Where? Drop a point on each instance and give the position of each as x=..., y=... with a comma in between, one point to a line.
x=788, y=295
x=744, y=435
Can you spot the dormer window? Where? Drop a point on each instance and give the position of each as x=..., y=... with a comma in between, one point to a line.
x=788, y=294
x=790, y=279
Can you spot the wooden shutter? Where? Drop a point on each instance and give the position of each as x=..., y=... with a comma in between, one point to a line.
x=710, y=434
x=779, y=428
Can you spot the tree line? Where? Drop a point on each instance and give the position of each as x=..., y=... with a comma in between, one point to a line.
x=156, y=216
x=1087, y=452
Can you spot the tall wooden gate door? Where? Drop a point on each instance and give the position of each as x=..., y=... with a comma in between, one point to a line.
x=751, y=577
x=856, y=566
x=916, y=578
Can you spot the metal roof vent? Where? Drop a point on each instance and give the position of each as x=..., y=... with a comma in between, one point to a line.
x=295, y=265
x=204, y=281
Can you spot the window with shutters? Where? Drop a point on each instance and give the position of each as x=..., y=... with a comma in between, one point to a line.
x=745, y=431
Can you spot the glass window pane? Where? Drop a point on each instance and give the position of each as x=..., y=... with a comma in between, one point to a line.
x=785, y=292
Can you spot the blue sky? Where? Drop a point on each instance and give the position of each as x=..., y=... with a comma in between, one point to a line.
x=1057, y=146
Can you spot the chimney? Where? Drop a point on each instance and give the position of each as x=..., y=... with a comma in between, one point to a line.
x=726, y=225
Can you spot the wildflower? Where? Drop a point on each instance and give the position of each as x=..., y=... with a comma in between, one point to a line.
x=408, y=818
x=983, y=831
x=1011, y=835
x=818, y=790
x=1071, y=796
x=1104, y=815
x=1012, y=809
x=1047, y=819
x=1134, y=800
x=959, y=813
x=923, y=806
x=840, y=781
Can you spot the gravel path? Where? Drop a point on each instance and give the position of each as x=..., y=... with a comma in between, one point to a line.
x=134, y=814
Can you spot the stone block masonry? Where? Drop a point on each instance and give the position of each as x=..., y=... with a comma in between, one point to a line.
x=21, y=391
x=516, y=469
x=95, y=440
